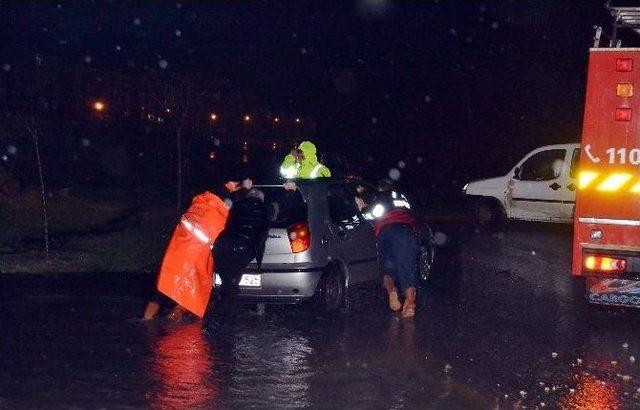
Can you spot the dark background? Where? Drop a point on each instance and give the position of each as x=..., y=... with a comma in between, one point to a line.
x=456, y=89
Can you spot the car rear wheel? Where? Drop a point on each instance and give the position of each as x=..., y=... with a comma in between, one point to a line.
x=332, y=291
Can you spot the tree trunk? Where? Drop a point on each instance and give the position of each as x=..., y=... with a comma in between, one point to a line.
x=45, y=218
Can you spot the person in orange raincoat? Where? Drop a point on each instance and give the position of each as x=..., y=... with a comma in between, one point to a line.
x=186, y=273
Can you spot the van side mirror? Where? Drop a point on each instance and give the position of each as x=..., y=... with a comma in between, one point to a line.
x=516, y=174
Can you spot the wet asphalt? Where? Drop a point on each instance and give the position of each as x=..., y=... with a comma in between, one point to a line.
x=500, y=325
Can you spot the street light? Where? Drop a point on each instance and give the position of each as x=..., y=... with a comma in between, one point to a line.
x=99, y=106
x=298, y=120
x=247, y=118
x=213, y=116
x=276, y=119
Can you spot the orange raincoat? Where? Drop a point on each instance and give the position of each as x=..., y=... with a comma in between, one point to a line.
x=186, y=274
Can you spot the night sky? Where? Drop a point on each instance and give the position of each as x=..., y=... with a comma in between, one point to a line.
x=479, y=81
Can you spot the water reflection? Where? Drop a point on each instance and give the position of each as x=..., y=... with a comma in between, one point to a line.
x=183, y=367
x=271, y=366
x=592, y=393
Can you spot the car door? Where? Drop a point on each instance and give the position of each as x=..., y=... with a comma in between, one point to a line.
x=535, y=190
x=352, y=238
x=570, y=185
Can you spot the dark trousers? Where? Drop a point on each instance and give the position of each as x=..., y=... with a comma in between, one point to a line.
x=231, y=255
x=398, y=254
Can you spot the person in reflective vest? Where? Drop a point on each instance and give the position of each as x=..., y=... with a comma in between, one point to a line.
x=397, y=243
x=302, y=162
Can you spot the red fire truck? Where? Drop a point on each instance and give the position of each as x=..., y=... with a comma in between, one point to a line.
x=606, y=244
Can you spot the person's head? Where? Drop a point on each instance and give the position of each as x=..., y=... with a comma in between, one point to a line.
x=307, y=152
x=255, y=193
x=385, y=185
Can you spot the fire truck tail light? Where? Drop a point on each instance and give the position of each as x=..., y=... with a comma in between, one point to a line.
x=623, y=114
x=614, y=182
x=604, y=263
x=624, y=90
x=624, y=64
x=585, y=178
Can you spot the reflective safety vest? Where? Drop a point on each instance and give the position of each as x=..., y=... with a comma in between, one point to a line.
x=380, y=209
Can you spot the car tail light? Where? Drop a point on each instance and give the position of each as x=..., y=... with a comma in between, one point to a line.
x=624, y=64
x=299, y=237
x=624, y=90
x=623, y=114
x=604, y=264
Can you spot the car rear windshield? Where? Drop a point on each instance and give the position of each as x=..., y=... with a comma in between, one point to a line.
x=286, y=208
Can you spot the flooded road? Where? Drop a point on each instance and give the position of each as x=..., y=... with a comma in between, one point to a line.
x=500, y=325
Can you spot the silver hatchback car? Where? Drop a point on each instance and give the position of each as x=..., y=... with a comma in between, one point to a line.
x=319, y=245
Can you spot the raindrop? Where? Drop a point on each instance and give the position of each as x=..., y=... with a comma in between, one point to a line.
x=579, y=361
x=625, y=345
x=374, y=120
x=118, y=48
x=303, y=50
x=554, y=355
x=447, y=368
x=216, y=142
x=178, y=6
x=140, y=154
x=632, y=359
x=481, y=19
x=495, y=25
x=178, y=33
x=453, y=32
x=63, y=42
x=523, y=393
x=483, y=8
x=38, y=60
x=136, y=21
x=394, y=174
x=427, y=98
x=85, y=142
x=614, y=363
x=11, y=149
x=401, y=164
x=469, y=39
x=59, y=6
x=533, y=253
x=370, y=158
x=87, y=59
x=419, y=160
x=163, y=64
x=5, y=158
x=6, y=67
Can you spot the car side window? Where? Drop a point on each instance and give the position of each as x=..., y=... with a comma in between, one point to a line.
x=543, y=165
x=575, y=162
x=342, y=205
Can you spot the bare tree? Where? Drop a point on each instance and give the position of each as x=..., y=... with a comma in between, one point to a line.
x=177, y=100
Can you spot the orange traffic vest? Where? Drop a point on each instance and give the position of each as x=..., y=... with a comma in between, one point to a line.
x=186, y=274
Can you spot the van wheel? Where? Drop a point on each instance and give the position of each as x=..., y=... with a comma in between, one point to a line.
x=488, y=215
x=332, y=291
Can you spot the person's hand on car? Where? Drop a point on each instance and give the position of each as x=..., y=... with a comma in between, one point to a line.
x=247, y=184
x=360, y=203
x=290, y=186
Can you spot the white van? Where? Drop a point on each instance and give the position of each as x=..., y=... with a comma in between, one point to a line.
x=541, y=187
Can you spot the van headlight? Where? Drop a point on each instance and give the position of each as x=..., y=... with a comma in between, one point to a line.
x=464, y=188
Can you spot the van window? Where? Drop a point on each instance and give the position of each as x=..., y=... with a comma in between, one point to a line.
x=575, y=162
x=285, y=208
x=342, y=204
x=543, y=165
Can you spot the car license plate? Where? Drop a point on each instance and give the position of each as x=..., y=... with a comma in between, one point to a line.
x=251, y=281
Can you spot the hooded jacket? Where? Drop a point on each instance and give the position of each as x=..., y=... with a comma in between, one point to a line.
x=309, y=168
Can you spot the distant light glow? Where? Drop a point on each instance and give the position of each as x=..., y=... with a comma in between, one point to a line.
x=247, y=118
x=213, y=116
x=99, y=106
x=298, y=120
